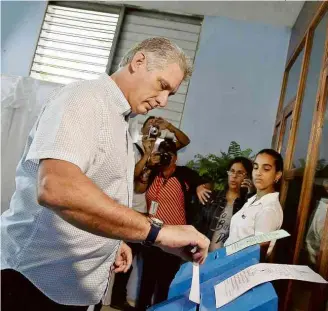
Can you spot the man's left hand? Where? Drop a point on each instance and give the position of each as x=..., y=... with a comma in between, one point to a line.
x=123, y=259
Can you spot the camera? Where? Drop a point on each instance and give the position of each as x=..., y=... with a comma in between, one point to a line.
x=165, y=159
x=153, y=131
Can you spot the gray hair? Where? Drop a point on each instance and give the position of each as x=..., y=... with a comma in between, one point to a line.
x=160, y=52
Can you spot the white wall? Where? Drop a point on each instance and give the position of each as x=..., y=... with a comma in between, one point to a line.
x=21, y=22
x=235, y=87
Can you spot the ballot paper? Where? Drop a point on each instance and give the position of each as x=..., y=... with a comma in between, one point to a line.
x=255, y=239
x=194, y=295
x=246, y=279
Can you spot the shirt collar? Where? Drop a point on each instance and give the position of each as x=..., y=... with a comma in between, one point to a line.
x=114, y=92
x=265, y=200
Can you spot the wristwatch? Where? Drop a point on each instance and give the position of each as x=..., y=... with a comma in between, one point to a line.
x=155, y=226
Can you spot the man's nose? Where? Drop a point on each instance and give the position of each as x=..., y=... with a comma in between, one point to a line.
x=162, y=99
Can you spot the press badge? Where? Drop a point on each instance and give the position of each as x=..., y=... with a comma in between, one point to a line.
x=153, y=208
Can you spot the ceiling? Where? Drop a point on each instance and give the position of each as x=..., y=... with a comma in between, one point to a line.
x=280, y=13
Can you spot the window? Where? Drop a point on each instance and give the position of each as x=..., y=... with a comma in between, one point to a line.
x=310, y=99
x=74, y=44
x=81, y=40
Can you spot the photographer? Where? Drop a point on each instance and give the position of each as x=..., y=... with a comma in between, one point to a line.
x=168, y=190
x=152, y=129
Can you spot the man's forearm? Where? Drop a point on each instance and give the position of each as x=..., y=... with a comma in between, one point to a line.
x=76, y=199
x=182, y=139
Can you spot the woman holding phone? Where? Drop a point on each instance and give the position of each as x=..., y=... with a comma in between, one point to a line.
x=262, y=213
x=214, y=219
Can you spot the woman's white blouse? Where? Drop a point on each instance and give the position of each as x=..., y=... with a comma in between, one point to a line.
x=262, y=216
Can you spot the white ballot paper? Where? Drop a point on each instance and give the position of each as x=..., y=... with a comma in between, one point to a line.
x=194, y=294
x=256, y=239
x=246, y=279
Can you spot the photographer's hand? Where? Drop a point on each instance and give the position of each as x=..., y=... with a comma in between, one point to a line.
x=162, y=123
x=182, y=139
x=148, y=144
x=154, y=159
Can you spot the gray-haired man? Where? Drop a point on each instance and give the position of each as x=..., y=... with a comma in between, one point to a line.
x=62, y=232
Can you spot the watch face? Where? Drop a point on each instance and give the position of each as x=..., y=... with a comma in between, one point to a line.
x=157, y=222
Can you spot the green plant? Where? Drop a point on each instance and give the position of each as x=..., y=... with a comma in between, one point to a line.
x=214, y=167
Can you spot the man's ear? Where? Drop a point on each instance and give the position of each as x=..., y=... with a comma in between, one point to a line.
x=139, y=60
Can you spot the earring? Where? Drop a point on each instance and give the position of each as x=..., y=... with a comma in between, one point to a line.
x=276, y=180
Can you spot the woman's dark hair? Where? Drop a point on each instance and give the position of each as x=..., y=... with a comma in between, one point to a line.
x=278, y=162
x=247, y=164
x=168, y=145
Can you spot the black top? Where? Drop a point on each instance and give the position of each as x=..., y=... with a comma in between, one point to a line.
x=212, y=210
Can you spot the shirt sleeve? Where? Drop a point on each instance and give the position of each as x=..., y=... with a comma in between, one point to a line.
x=267, y=220
x=67, y=129
x=137, y=155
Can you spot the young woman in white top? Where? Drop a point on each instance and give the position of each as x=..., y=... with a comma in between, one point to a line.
x=262, y=213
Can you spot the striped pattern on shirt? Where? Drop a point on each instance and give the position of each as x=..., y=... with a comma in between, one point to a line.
x=169, y=195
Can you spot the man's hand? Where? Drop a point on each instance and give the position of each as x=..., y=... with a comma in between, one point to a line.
x=123, y=259
x=203, y=194
x=178, y=240
x=148, y=144
x=162, y=123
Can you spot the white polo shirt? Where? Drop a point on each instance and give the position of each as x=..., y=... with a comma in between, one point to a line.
x=83, y=123
x=254, y=218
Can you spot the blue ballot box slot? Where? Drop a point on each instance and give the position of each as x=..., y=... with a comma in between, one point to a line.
x=216, y=264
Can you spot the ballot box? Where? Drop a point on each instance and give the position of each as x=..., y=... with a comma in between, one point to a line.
x=216, y=264
x=259, y=298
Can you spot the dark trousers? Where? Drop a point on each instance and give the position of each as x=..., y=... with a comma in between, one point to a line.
x=18, y=293
x=121, y=279
x=159, y=269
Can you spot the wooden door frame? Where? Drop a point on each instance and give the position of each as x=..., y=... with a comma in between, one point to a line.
x=315, y=136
